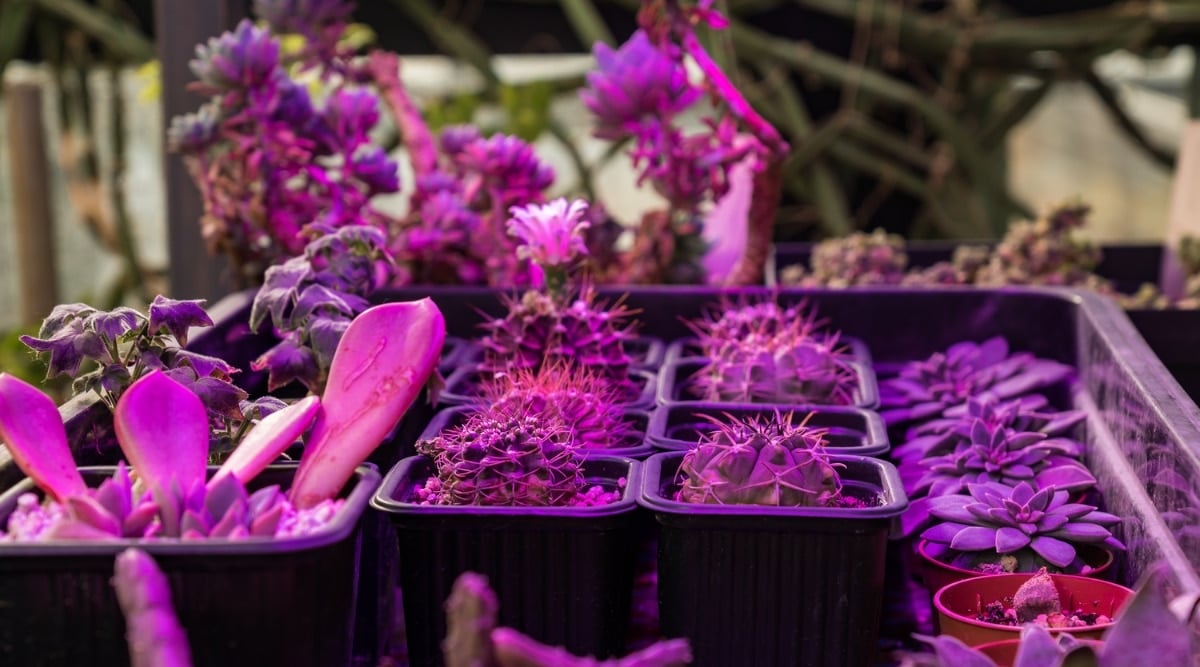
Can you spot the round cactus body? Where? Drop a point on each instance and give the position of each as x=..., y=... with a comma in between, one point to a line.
x=585, y=405
x=760, y=462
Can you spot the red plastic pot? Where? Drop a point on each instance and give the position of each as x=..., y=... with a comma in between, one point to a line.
x=959, y=603
x=937, y=575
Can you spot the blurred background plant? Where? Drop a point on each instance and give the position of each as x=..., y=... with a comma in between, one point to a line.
x=900, y=113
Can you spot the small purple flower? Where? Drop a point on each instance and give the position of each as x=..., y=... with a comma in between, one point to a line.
x=550, y=234
x=177, y=317
x=294, y=105
x=194, y=132
x=633, y=82
x=375, y=169
x=243, y=59
x=302, y=16
x=455, y=138
x=351, y=114
x=509, y=166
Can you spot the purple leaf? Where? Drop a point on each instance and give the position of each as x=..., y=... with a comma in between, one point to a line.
x=33, y=432
x=280, y=286
x=319, y=299
x=1038, y=648
x=162, y=428
x=951, y=508
x=1082, y=532
x=1147, y=633
x=974, y=538
x=68, y=347
x=204, y=365
x=1055, y=551
x=286, y=362
x=324, y=334
x=952, y=651
x=113, y=324
x=88, y=510
x=1010, y=539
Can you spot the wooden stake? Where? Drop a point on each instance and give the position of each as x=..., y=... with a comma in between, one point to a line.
x=34, y=212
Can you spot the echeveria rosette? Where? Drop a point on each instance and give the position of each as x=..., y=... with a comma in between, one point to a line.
x=1030, y=528
x=930, y=388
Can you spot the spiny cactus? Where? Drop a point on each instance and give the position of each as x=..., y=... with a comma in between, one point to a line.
x=542, y=329
x=584, y=404
x=503, y=458
x=1033, y=528
x=764, y=353
x=760, y=462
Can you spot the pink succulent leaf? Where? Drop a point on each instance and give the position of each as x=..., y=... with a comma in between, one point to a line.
x=87, y=510
x=70, y=529
x=224, y=493
x=951, y=650
x=726, y=226
x=194, y=522
x=264, y=498
x=33, y=431
x=177, y=317
x=139, y=519
x=266, y=523
x=383, y=361
x=156, y=639
x=231, y=518
x=267, y=440
x=1038, y=647
x=163, y=430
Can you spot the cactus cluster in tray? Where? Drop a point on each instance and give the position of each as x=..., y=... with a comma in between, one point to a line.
x=766, y=353
x=773, y=461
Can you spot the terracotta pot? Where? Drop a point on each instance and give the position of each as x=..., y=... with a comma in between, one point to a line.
x=959, y=603
x=1004, y=653
x=937, y=575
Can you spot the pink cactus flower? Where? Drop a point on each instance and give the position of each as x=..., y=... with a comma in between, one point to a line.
x=551, y=234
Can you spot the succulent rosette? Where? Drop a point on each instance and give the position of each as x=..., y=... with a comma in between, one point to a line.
x=1016, y=529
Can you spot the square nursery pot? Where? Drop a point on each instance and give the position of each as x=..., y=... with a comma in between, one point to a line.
x=646, y=351
x=685, y=348
x=850, y=430
x=463, y=386
x=246, y=602
x=635, y=448
x=752, y=585
x=676, y=376
x=561, y=574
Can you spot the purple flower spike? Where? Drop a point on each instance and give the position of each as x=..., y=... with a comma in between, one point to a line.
x=177, y=317
x=33, y=432
x=551, y=234
x=636, y=81
x=244, y=58
x=162, y=428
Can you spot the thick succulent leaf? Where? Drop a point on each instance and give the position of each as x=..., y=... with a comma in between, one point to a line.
x=1102, y=518
x=194, y=523
x=1009, y=540
x=1055, y=551
x=267, y=440
x=952, y=651
x=86, y=509
x=223, y=494
x=162, y=428
x=952, y=508
x=1074, y=476
x=974, y=538
x=33, y=432
x=1082, y=532
x=1075, y=510
x=232, y=518
x=71, y=529
x=1038, y=648
x=382, y=362
x=1147, y=616
x=140, y=518
x=266, y=523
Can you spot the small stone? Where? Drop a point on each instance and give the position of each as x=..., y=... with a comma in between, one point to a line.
x=1037, y=597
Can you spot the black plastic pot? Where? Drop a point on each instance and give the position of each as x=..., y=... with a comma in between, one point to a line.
x=246, y=602
x=689, y=348
x=462, y=388
x=562, y=574
x=851, y=431
x=636, y=448
x=675, y=379
x=774, y=585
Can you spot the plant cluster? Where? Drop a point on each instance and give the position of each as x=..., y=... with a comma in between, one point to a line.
x=767, y=353
x=767, y=461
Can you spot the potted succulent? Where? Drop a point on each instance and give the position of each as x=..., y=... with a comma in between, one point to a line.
x=997, y=528
x=231, y=541
x=791, y=533
x=766, y=354
x=993, y=608
x=1153, y=629
x=509, y=493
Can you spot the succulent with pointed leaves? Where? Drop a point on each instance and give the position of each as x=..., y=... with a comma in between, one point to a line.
x=1036, y=528
x=589, y=408
x=763, y=461
x=222, y=509
x=1030, y=413
x=541, y=329
x=503, y=459
x=946, y=380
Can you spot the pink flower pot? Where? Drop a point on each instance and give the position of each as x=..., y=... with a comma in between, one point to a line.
x=937, y=575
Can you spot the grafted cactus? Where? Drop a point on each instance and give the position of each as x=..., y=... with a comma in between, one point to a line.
x=760, y=462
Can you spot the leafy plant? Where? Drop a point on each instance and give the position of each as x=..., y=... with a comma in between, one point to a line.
x=1016, y=529
x=772, y=462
